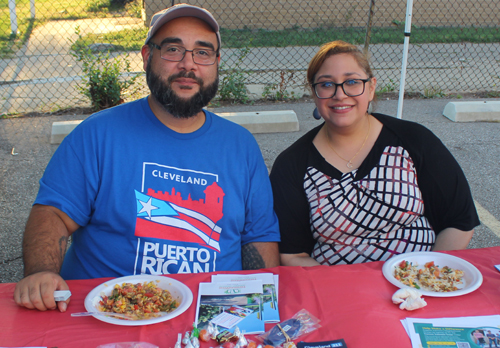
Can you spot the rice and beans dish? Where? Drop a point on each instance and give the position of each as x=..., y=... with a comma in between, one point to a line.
x=140, y=301
x=430, y=277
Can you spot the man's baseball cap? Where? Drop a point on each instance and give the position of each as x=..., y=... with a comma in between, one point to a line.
x=181, y=10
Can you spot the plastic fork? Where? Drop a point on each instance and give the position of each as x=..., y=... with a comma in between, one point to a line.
x=106, y=314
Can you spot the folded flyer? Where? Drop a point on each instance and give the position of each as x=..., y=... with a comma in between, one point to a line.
x=231, y=304
x=460, y=332
x=270, y=287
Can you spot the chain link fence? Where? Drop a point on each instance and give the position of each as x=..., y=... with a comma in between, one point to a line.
x=267, y=45
x=454, y=45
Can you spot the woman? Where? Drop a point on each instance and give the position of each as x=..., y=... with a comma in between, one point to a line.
x=364, y=187
x=479, y=338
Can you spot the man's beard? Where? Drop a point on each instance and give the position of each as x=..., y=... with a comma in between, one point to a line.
x=171, y=102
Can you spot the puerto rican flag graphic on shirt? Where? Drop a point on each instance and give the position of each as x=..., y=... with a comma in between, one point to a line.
x=159, y=218
x=176, y=224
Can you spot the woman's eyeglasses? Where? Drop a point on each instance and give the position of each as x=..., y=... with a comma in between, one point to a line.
x=328, y=89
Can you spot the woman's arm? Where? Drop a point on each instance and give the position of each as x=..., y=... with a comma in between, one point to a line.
x=301, y=259
x=452, y=239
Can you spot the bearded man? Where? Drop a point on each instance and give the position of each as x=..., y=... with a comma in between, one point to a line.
x=154, y=186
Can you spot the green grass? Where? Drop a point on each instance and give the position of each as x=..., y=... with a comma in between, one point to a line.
x=319, y=36
x=132, y=40
x=124, y=40
x=50, y=10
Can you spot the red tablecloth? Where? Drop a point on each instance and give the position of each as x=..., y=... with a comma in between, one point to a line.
x=353, y=302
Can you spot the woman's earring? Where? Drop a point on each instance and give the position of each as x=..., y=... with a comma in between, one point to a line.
x=370, y=108
x=316, y=114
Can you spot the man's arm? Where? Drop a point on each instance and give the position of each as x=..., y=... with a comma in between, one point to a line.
x=258, y=255
x=452, y=239
x=44, y=246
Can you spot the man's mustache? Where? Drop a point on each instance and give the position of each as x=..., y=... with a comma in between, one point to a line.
x=185, y=74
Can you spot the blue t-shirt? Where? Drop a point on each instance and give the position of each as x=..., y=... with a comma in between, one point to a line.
x=150, y=200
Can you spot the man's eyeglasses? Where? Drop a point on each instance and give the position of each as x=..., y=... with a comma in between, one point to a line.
x=174, y=53
x=328, y=89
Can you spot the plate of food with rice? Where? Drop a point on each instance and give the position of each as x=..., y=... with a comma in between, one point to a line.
x=138, y=300
x=432, y=273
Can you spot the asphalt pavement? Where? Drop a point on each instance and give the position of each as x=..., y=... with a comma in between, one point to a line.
x=475, y=145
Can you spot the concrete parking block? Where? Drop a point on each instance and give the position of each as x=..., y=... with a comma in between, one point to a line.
x=255, y=122
x=61, y=129
x=470, y=111
x=265, y=121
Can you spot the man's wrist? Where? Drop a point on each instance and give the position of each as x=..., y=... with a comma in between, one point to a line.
x=36, y=271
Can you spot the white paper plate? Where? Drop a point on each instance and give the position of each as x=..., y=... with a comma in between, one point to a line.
x=178, y=290
x=471, y=281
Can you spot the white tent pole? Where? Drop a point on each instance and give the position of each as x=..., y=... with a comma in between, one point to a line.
x=13, y=17
x=409, y=7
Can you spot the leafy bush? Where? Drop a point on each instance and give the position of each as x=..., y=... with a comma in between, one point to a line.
x=105, y=78
x=232, y=84
x=98, y=5
x=108, y=5
x=120, y=2
x=278, y=91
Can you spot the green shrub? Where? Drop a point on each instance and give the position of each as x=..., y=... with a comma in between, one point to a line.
x=278, y=91
x=232, y=84
x=105, y=78
x=98, y=5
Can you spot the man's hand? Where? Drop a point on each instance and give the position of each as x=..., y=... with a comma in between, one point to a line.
x=37, y=291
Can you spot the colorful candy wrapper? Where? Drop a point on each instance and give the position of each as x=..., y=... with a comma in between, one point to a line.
x=226, y=336
x=189, y=344
x=196, y=331
x=195, y=342
x=212, y=330
x=186, y=338
x=300, y=324
x=242, y=341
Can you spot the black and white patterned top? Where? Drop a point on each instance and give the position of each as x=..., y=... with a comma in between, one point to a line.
x=407, y=189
